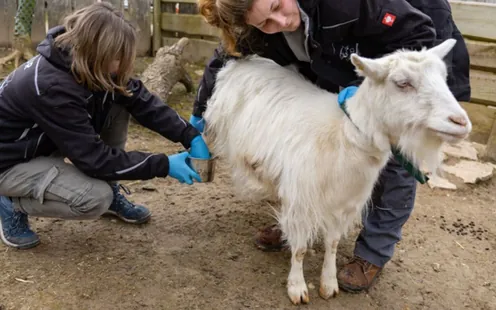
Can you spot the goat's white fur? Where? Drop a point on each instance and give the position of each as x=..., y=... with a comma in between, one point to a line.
x=285, y=137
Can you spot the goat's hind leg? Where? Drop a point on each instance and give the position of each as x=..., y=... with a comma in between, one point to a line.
x=328, y=280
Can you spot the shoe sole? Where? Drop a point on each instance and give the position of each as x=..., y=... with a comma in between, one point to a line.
x=270, y=248
x=354, y=289
x=17, y=246
x=140, y=221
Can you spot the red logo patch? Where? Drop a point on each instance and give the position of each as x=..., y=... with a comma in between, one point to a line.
x=388, y=19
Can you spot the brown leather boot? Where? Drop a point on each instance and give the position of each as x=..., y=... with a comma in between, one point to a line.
x=358, y=275
x=269, y=239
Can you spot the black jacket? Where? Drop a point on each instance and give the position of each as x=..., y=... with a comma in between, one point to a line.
x=43, y=109
x=339, y=28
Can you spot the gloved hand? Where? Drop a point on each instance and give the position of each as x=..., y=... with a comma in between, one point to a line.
x=180, y=170
x=346, y=93
x=199, y=148
x=197, y=122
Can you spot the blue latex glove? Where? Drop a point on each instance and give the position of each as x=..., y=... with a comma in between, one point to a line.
x=180, y=170
x=199, y=148
x=346, y=93
x=197, y=122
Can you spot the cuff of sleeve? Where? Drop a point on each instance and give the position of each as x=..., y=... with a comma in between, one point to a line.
x=189, y=134
x=198, y=110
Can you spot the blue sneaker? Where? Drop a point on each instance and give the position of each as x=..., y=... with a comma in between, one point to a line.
x=14, y=227
x=126, y=210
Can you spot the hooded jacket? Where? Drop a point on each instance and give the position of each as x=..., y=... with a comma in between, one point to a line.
x=336, y=29
x=43, y=109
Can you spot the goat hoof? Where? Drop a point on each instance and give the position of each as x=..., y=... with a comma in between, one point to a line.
x=298, y=293
x=327, y=291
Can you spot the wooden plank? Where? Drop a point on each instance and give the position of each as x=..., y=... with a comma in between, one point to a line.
x=139, y=15
x=57, y=10
x=118, y=4
x=197, y=51
x=490, y=153
x=482, y=55
x=482, y=118
x=157, y=31
x=188, y=24
x=8, y=10
x=475, y=20
x=38, y=29
x=180, y=1
x=77, y=4
x=483, y=87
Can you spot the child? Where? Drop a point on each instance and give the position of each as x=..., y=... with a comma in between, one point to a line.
x=74, y=101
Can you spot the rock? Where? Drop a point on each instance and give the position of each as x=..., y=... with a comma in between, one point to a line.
x=471, y=171
x=436, y=267
x=199, y=72
x=438, y=182
x=480, y=148
x=463, y=150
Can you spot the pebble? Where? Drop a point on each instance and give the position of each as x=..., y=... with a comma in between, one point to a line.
x=436, y=267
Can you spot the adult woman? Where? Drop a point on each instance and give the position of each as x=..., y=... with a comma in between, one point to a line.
x=319, y=36
x=74, y=100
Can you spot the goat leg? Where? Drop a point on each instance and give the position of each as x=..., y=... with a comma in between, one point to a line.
x=328, y=281
x=297, y=288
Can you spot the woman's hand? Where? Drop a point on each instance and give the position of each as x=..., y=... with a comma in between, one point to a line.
x=199, y=148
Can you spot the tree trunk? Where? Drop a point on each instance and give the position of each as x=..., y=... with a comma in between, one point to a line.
x=167, y=70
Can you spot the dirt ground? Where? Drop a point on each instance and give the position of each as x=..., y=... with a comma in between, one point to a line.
x=197, y=252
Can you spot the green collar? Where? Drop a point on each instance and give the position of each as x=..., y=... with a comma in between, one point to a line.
x=409, y=166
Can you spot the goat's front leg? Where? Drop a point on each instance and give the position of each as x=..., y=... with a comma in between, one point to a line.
x=297, y=288
x=328, y=281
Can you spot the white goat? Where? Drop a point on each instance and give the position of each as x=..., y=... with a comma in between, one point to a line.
x=283, y=136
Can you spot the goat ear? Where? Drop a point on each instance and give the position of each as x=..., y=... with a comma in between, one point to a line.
x=443, y=49
x=367, y=67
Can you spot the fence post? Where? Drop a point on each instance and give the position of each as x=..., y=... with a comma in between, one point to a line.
x=157, y=30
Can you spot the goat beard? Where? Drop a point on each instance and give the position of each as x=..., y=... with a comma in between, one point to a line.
x=423, y=149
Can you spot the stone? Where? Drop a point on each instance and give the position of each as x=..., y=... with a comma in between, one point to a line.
x=439, y=182
x=470, y=172
x=436, y=267
x=480, y=148
x=462, y=150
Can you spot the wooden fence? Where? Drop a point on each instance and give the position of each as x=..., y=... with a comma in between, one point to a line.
x=476, y=21
x=49, y=13
x=178, y=18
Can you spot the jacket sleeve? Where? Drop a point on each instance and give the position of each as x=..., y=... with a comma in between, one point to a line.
x=207, y=83
x=393, y=25
x=62, y=115
x=390, y=25
x=151, y=112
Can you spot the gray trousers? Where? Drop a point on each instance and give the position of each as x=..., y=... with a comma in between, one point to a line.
x=50, y=187
x=392, y=203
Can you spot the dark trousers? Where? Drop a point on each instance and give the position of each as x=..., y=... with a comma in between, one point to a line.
x=392, y=203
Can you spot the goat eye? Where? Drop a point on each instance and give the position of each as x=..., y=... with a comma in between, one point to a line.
x=403, y=84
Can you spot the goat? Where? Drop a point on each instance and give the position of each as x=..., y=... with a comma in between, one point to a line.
x=282, y=135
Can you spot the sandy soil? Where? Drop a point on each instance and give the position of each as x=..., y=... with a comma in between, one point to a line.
x=197, y=253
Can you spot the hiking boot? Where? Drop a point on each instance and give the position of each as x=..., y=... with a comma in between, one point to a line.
x=269, y=239
x=14, y=227
x=126, y=210
x=358, y=275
